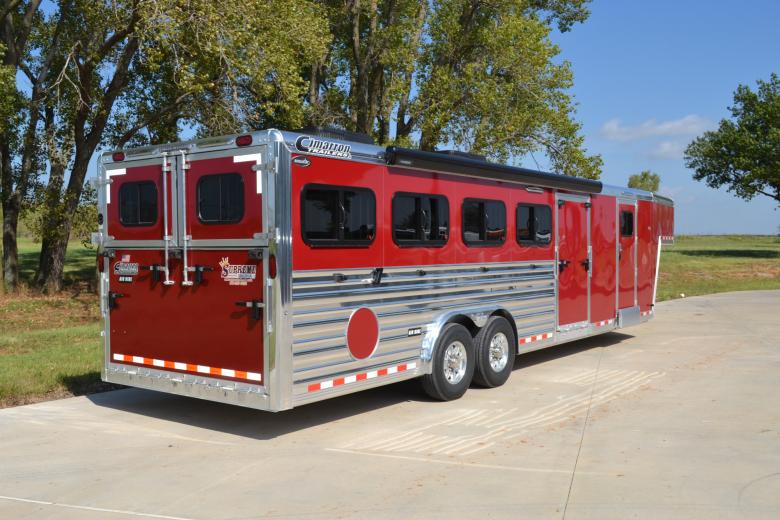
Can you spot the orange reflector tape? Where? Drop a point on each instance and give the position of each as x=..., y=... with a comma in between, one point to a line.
x=188, y=367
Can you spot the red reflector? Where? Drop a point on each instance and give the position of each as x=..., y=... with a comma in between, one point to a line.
x=272, y=266
x=118, y=156
x=243, y=140
x=99, y=260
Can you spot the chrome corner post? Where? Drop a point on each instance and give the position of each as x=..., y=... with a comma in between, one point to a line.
x=277, y=222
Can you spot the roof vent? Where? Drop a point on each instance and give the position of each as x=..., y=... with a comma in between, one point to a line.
x=336, y=133
x=465, y=155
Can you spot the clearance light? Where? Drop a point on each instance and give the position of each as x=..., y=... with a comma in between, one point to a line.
x=272, y=266
x=243, y=140
x=118, y=156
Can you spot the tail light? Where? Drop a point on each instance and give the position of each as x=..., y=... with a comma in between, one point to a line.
x=100, y=263
x=243, y=140
x=272, y=266
x=118, y=156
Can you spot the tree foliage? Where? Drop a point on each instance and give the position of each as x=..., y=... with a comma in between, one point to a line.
x=481, y=76
x=743, y=154
x=645, y=180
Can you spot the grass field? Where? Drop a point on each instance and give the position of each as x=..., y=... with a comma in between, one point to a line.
x=50, y=346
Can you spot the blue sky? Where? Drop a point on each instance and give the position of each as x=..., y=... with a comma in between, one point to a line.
x=650, y=76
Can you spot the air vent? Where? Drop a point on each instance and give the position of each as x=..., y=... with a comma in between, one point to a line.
x=336, y=133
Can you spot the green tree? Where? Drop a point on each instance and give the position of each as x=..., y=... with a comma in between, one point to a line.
x=483, y=76
x=645, y=180
x=743, y=154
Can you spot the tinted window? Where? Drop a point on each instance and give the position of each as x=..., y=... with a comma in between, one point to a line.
x=221, y=198
x=627, y=223
x=138, y=203
x=484, y=222
x=420, y=219
x=338, y=215
x=534, y=224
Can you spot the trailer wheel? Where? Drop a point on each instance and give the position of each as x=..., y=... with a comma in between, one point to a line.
x=495, y=350
x=453, y=364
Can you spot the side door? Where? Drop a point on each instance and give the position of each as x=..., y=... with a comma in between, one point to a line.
x=627, y=253
x=574, y=258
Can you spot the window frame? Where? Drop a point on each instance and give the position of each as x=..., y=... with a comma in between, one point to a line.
x=340, y=242
x=481, y=243
x=532, y=242
x=420, y=242
x=220, y=222
x=623, y=213
x=137, y=185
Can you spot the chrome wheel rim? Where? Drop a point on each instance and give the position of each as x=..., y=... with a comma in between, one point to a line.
x=455, y=362
x=499, y=352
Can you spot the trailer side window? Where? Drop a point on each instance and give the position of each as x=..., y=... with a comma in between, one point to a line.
x=534, y=224
x=138, y=203
x=627, y=223
x=221, y=198
x=484, y=222
x=420, y=220
x=338, y=215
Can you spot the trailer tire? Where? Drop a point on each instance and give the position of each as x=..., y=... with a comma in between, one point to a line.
x=495, y=347
x=453, y=364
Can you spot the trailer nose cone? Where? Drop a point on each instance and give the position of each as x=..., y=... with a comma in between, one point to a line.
x=362, y=333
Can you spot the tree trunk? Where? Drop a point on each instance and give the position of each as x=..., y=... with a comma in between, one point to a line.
x=52, y=261
x=10, y=251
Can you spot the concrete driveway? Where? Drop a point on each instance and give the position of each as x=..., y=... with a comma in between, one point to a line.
x=676, y=418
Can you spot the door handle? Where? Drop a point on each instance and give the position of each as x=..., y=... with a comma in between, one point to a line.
x=255, y=305
x=156, y=269
x=586, y=264
x=562, y=264
x=112, y=298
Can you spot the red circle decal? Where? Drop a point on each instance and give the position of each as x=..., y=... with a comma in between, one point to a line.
x=362, y=333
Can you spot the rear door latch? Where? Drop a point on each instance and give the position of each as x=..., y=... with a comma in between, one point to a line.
x=256, y=307
x=112, y=298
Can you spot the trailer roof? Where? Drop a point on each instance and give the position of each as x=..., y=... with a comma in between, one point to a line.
x=455, y=164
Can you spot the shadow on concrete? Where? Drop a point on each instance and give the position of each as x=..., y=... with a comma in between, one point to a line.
x=255, y=424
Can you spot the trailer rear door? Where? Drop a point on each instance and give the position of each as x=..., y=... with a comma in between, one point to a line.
x=200, y=310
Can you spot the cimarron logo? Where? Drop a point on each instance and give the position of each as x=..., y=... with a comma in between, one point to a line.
x=321, y=147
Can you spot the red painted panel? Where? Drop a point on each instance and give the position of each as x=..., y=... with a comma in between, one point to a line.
x=603, y=236
x=199, y=325
x=627, y=265
x=386, y=182
x=138, y=174
x=251, y=222
x=572, y=248
x=647, y=240
x=336, y=172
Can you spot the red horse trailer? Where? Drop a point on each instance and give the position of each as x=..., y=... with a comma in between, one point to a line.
x=275, y=269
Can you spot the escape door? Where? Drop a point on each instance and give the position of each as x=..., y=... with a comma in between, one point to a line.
x=195, y=304
x=573, y=240
x=627, y=256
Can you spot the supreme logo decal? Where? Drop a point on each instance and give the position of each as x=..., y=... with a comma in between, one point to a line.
x=237, y=274
x=126, y=269
x=321, y=147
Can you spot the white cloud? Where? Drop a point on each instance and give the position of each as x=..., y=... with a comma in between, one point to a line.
x=668, y=150
x=614, y=130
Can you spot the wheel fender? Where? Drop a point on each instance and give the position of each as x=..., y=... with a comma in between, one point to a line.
x=474, y=317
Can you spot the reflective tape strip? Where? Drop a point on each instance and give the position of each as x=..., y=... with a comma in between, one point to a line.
x=363, y=376
x=647, y=313
x=537, y=337
x=604, y=323
x=187, y=367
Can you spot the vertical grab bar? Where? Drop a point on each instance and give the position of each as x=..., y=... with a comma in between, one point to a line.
x=186, y=268
x=166, y=235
